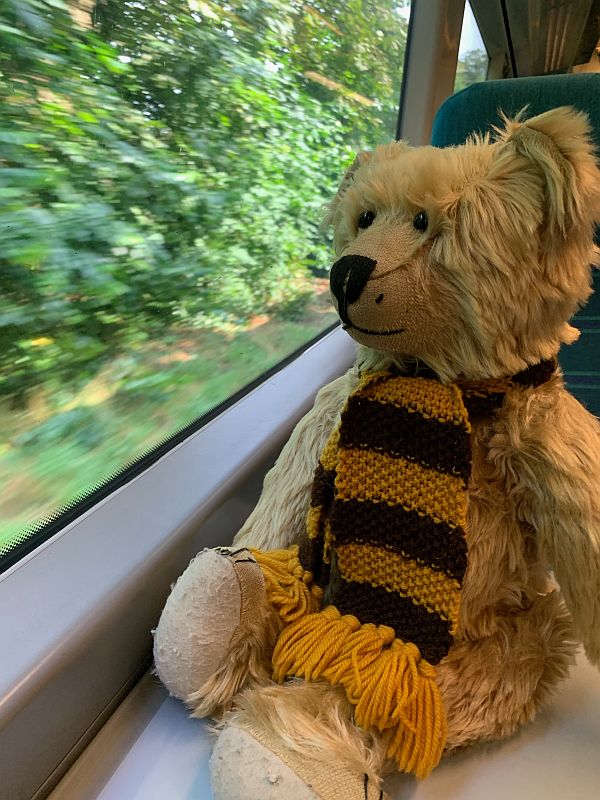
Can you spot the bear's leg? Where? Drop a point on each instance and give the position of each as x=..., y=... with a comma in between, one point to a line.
x=297, y=742
x=217, y=631
x=491, y=686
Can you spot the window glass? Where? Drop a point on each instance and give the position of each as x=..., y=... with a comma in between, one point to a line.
x=473, y=59
x=164, y=168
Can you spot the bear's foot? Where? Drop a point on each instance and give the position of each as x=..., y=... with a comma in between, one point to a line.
x=217, y=631
x=244, y=767
x=298, y=742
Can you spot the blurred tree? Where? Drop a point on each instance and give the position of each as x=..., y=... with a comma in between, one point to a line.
x=471, y=68
x=166, y=162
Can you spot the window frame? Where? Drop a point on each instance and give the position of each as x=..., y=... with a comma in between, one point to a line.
x=429, y=65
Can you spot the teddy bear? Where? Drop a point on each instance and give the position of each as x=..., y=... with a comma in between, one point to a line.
x=424, y=559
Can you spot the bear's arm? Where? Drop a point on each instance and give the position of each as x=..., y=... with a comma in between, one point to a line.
x=279, y=517
x=549, y=445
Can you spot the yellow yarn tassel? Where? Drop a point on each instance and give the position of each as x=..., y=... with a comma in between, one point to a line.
x=289, y=586
x=387, y=681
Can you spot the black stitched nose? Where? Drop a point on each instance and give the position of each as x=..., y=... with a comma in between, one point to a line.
x=348, y=278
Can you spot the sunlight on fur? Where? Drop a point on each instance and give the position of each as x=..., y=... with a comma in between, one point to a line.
x=509, y=219
x=472, y=260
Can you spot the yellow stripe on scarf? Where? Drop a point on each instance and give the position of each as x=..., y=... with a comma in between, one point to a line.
x=421, y=395
x=362, y=476
x=365, y=563
x=329, y=456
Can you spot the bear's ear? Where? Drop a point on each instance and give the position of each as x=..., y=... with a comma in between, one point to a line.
x=558, y=145
x=330, y=209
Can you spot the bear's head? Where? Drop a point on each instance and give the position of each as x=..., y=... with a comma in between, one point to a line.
x=473, y=258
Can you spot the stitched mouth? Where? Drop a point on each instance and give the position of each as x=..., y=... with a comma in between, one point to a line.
x=350, y=326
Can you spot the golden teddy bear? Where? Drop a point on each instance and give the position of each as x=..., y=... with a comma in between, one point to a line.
x=390, y=598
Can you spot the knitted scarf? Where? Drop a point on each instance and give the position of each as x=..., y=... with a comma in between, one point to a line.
x=371, y=599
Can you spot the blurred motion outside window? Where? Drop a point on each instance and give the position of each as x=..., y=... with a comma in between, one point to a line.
x=164, y=164
x=473, y=59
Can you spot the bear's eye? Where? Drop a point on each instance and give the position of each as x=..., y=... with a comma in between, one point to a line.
x=420, y=221
x=366, y=219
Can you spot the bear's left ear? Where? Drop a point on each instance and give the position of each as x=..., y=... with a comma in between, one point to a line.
x=559, y=145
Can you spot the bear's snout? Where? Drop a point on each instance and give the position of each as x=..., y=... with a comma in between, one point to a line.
x=348, y=278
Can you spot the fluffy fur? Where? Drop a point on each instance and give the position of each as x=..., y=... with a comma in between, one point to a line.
x=312, y=719
x=508, y=220
x=279, y=518
x=487, y=289
x=547, y=447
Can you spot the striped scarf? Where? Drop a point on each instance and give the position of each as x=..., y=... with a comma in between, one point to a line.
x=372, y=597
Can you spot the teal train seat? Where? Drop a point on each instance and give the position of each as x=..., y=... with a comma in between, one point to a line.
x=476, y=109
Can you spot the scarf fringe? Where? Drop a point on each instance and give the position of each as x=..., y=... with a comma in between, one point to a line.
x=289, y=586
x=391, y=687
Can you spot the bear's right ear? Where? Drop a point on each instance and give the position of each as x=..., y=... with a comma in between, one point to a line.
x=330, y=209
x=558, y=146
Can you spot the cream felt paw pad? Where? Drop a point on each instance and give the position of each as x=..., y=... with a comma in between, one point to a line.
x=198, y=623
x=243, y=769
x=259, y=763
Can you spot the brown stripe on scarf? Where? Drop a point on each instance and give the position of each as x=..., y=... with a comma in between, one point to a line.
x=376, y=605
x=322, y=489
x=400, y=431
x=402, y=530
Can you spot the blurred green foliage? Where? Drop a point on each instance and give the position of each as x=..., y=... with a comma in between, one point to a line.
x=471, y=68
x=165, y=163
x=163, y=167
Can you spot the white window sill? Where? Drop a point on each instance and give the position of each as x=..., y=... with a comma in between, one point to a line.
x=150, y=750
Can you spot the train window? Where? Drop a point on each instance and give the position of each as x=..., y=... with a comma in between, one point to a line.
x=473, y=59
x=164, y=168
